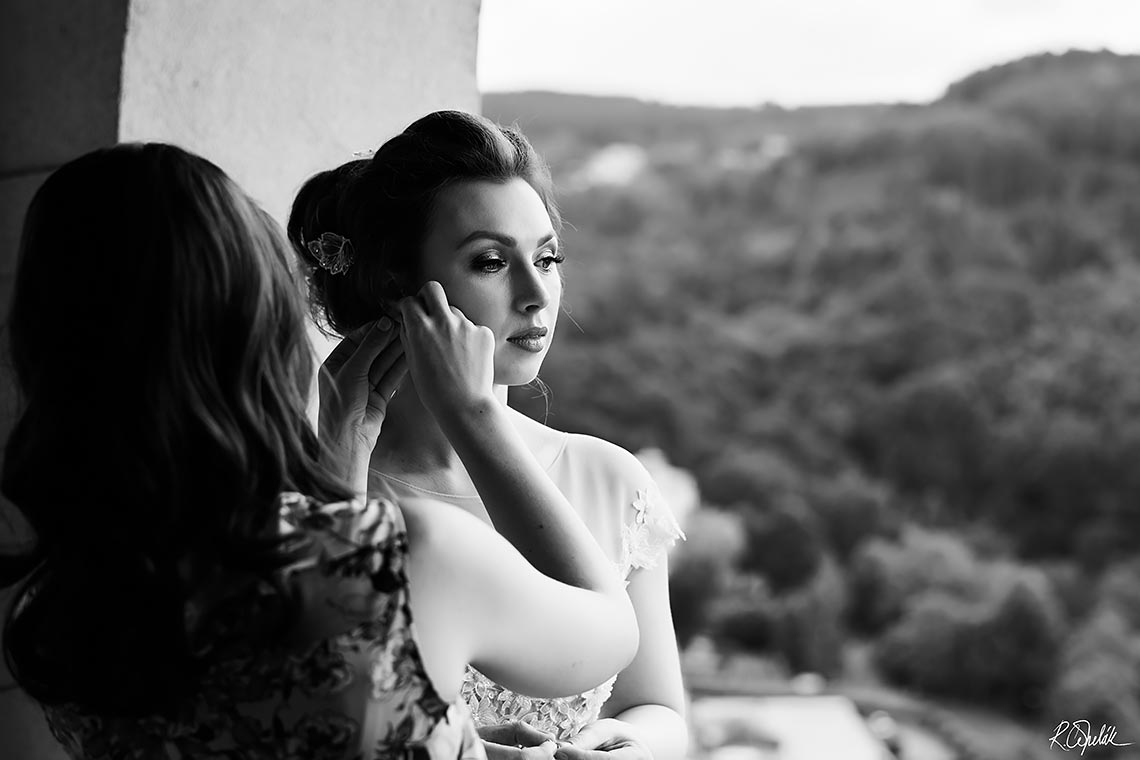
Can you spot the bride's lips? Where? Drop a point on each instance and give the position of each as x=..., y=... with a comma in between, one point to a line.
x=532, y=339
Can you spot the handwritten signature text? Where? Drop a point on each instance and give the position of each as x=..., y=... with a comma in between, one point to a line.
x=1079, y=735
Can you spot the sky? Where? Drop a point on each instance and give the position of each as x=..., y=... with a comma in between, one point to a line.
x=790, y=52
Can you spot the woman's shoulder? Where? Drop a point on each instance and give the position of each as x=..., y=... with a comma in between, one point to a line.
x=648, y=526
x=349, y=520
x=605, y=459
x=583, y=453
x=352, y=536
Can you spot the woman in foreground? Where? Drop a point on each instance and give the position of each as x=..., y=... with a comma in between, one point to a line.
x=458, y=200
x=201, y=585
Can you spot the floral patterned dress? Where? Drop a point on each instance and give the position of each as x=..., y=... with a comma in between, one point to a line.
x=625, y=512
x=349, y=684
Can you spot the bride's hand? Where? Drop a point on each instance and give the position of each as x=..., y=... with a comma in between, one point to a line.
x=452, y=360
x=516, y=741
x=355, y=384
x=606, y=739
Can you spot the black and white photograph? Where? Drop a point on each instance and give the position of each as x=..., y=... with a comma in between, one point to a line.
x=592, y=380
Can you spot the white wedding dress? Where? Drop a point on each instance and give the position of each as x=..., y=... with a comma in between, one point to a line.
x=626, y=513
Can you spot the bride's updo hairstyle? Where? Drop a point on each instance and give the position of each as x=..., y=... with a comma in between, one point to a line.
x=360, y=227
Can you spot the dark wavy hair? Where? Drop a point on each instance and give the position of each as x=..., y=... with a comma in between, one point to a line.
x=158, y=337
x=384, y=205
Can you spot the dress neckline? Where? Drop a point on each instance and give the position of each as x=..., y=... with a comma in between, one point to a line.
x=441, y=494
x=421, y=489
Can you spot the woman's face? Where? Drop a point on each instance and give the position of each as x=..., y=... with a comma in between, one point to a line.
x=492, y=247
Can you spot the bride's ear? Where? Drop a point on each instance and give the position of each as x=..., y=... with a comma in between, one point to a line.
x=391, y=310
x=383, y=292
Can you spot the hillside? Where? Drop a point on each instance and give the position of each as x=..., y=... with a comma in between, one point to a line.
x=899, y=348
x=1075, y=70
x=600, y=120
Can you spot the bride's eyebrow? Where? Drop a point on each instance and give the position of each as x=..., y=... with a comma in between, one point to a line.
x=500, y=238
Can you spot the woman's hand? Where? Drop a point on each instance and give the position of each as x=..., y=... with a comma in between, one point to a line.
x=452, y=360
x=606, y=739
x=516, y=741
x=356, y=382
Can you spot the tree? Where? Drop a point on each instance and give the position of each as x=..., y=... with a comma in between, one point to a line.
x=1001, y=651
x=701, y=569
x=1099, y=674
x=851, y=510
x=784, y=545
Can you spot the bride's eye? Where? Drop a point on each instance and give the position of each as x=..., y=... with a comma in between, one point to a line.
x=488, y=264
x=550, y=260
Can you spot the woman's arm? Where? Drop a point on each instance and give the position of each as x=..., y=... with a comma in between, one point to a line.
x=647, y=709
x=514, y=604
x=356, y=382
x=475, y=599
x=525, y=506
x=452, y=364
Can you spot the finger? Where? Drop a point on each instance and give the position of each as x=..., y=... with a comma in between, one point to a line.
x=516, y=732
x=385, y=360
x=603, y=733
x=590, y=737
x=348, y=344
x=433, y=298
x=503, y=752
x=498, y=733
x=358, y=363
x=459, y=314
x=412, y=312
x=527, y=735
x=390, y=383
x=628, y=752
x=570, y=752
x=499, y=752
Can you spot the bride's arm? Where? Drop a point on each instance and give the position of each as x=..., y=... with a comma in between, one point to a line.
x=644, y=718
x=645, y=715
x=452, y=364
x=648, y=694
x=475, y=599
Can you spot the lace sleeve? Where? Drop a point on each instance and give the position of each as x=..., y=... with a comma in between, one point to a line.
x=649, y=532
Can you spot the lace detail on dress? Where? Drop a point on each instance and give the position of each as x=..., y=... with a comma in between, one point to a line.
x=649, y=535
x=492, y=704
x=288, y=702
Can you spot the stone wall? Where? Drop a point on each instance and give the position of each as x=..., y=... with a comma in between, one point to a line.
x=270, y=90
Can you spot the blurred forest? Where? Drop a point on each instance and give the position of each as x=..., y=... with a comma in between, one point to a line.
x=898, y=346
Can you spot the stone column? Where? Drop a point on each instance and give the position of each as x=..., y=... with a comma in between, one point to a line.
x=270, y=90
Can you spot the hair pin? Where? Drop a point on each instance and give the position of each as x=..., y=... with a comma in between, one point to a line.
x=333, y=252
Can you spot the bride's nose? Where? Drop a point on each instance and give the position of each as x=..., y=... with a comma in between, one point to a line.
x=531, y=291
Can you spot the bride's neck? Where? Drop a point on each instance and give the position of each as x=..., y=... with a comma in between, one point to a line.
x=411, y=439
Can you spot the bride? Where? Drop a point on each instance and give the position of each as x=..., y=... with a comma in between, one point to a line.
x=460, y=201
